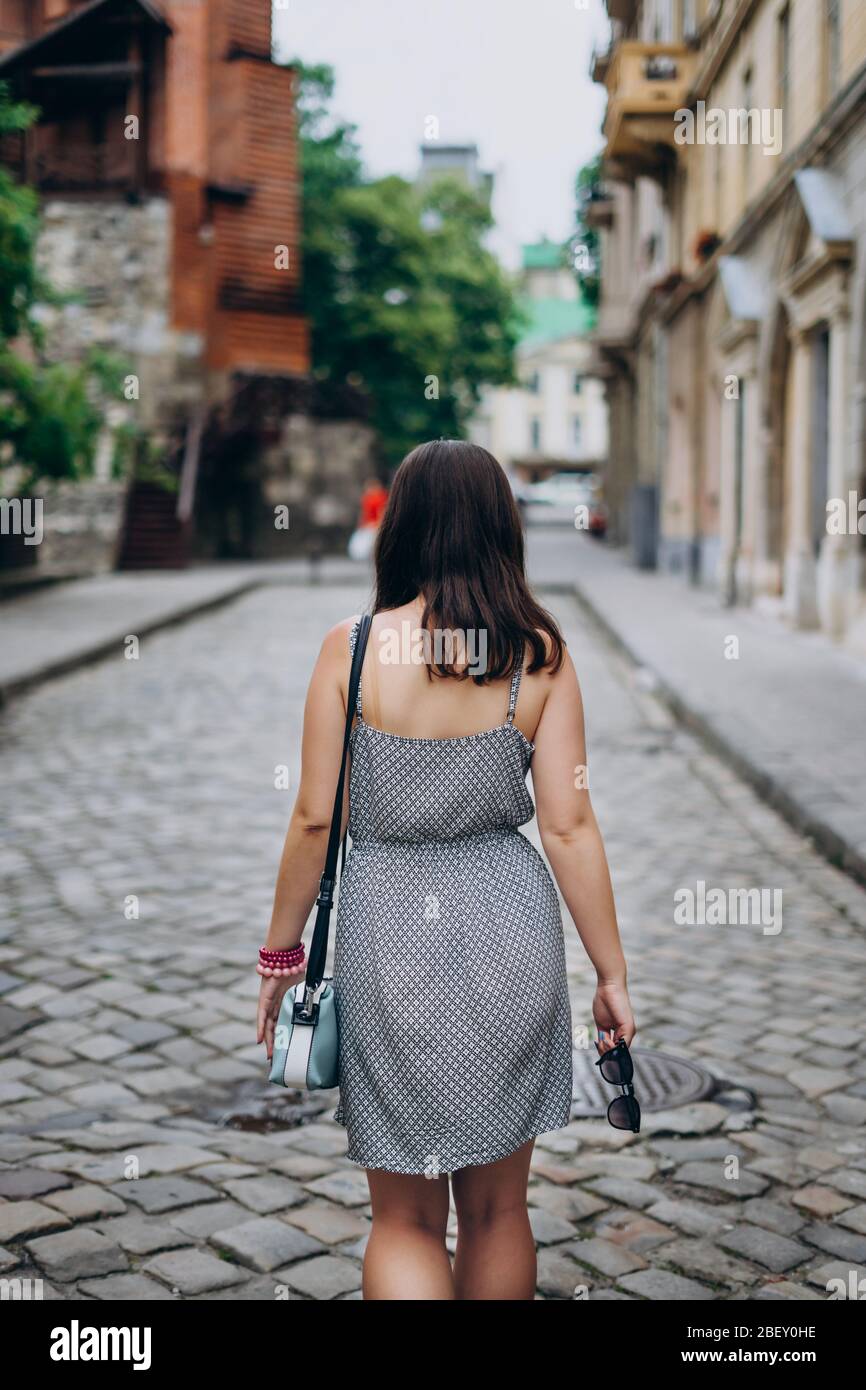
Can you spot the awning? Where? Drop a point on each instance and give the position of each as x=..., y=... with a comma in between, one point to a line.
x=26, y=53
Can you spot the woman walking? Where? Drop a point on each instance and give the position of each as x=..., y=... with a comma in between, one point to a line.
x=449, y=978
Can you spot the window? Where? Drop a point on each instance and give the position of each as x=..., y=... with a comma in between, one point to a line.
x=577, y=384
x=832, y=46
x=535, y=435
x=533, y=383
x=690, y=19
x=783, y=59
x=663, y=22
x=577, y=432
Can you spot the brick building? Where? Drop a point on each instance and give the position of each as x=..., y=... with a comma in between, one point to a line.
x=215, y=138
x=166, y=157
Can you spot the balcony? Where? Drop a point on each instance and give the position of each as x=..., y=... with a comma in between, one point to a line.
x=71, y=167
x=647, y=83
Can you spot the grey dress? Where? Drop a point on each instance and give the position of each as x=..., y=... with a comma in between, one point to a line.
x=449, y=960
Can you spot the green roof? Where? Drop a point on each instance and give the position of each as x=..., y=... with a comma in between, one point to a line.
x=550, y=319
x=543, y=255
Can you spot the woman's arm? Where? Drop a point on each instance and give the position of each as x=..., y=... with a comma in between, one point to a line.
x=573, y=845
x=303, y=857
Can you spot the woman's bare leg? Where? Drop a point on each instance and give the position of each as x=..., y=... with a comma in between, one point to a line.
x=406, y=1257
x=495, y=1248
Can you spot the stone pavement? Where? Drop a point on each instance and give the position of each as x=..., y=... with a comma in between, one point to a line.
x=143, y=831
x=787, y=712
x=56, y=629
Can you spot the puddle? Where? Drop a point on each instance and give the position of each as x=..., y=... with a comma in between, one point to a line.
x=262, y=1111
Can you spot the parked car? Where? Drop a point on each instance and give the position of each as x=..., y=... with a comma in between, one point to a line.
x=598, y=517
x=553, y=501
x=594, y=518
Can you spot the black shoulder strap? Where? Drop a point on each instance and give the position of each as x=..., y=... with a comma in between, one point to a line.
x=325, y=900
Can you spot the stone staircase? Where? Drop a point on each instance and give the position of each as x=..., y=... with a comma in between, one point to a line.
x=153, y=535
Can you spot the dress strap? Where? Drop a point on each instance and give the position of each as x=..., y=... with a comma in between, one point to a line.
x=353, y=638
x=515, y=687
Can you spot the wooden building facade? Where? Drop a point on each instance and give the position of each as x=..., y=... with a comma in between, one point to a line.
x=182, y=100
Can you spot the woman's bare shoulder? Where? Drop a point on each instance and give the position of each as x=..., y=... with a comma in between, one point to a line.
x=545, y=672
x=335, y=644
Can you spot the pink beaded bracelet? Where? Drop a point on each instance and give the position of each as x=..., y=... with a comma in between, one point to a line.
x=283, y=962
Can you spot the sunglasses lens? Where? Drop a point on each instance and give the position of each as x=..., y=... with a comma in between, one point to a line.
x=618, y=1070
x=611, y=1071
x=624, y=1113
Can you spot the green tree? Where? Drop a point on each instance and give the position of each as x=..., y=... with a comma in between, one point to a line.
x=331, y=164
x=587, y=188
x=403, y=298
x=50, y=413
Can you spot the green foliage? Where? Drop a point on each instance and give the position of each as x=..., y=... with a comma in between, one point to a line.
x=50, y=412
x=398, y=286
x=47, y=417
x=136, y=453
x=587, y=187
x=19, y=224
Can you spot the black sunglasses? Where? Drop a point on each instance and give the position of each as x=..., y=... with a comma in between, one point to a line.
x=617, y=1068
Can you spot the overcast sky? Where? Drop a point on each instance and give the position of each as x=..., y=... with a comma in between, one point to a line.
x=512, y=76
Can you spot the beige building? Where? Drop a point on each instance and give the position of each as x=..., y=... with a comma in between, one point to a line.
x=555, y=420
x=732, y=328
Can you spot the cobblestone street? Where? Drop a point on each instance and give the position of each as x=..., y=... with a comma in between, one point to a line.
x=143, y=832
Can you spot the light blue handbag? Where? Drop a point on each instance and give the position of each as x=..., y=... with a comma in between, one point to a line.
x=306, y=1040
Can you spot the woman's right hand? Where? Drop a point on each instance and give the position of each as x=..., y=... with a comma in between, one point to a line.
x=273, y=988
x=611, y=1009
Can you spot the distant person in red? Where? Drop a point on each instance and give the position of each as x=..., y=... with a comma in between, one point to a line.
x=374, y=500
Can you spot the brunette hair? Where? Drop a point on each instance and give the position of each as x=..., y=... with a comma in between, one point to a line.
x=452, y=532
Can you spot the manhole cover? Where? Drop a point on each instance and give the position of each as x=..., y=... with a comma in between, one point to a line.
x=660, y=1082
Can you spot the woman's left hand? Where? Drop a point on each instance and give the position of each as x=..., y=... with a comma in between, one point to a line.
x=271, y=996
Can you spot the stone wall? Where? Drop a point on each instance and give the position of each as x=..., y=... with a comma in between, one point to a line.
x=82, y=522
x=277, y=442
x=308, y=446
x=317, y=470
x=115, y=258
x=112, y=259
x=299, y=493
